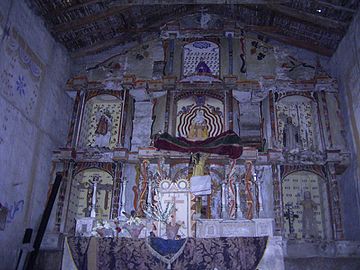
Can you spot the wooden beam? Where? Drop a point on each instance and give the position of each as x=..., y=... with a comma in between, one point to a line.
x=59, y=11
x=308, y=45
x=196, y=2
x=310, y=18
x=75, y=24
x=326, y=4
x=120, y=40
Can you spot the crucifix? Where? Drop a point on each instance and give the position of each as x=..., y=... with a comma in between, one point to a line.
x=174, y=200
x=290, y=216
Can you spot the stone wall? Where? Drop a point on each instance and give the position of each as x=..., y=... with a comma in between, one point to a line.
x=34, y=114
x=345, y=66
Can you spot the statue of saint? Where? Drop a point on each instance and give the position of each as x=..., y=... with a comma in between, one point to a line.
x=309, y=227
x=199, y=161
x=103, y=130
x=198, y=127
x=291, y=135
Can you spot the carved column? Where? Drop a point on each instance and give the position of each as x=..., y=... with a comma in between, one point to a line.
x=278, y=212
x=273, y=143
x=122, y=124
x=80, y=119
x=122, y=193
x=334, y=203
x=117, y=189
x=238, y=205
x=74, y=117
x=223, y=200
x=230, y=43
x=149, y=196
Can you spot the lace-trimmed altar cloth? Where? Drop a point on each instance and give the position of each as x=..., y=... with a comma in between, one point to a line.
x=241, y=253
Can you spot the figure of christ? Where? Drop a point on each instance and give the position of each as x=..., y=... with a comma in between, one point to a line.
x=198, y=128
x=103, y=130
x=309, y=227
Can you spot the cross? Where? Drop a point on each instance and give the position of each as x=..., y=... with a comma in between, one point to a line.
x=290, y=216
x=174, y=201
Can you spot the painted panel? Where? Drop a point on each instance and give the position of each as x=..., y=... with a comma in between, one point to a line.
x=199, y=117
x=201, y=57
x=296, y=187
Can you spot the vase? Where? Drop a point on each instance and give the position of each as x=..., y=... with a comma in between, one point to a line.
x=172, y=230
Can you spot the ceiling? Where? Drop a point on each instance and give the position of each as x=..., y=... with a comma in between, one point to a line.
x=86, y=27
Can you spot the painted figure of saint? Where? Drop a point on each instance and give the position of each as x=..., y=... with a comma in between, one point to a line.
x=291, y=136
x=309, y=227
x=103, y=130
x=198, y=127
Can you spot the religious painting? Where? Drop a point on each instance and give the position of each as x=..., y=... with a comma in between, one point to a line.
x=201, y=58
x=199, y=118
x=82, y=198
x=101, y=122
x=303, y=199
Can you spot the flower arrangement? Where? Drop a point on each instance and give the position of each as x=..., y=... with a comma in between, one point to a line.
x=102, y=229
x=117, y=227
x=159, y=214
x=133, y=225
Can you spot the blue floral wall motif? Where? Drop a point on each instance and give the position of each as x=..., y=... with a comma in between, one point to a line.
x=21, y=85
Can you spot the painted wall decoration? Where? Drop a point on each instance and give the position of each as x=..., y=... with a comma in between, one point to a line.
x=260, y=58
x=296, y=123
x=303, y=192
x=199, y=117
x=21, y=72
x=201, y=57
x=101, y=120
x=297, y=69
x=13, y=208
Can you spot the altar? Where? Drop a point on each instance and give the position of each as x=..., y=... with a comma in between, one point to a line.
x=191, y=253
x=211, y=228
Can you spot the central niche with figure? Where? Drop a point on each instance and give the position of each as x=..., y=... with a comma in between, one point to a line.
x=199, y=117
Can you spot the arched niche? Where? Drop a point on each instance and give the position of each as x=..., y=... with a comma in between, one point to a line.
x=100, y=122
x=305, y=193
x=80, y=203
x=199, y=117
x=298, y=112
x=201, y=57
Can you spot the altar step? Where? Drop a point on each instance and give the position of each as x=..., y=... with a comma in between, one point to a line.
x=319, y=263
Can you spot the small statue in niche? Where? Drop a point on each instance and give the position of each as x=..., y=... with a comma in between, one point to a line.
x=199, y=161
x=309, y=227
x=291, y=135
x=198, y=128
x=103, y=130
